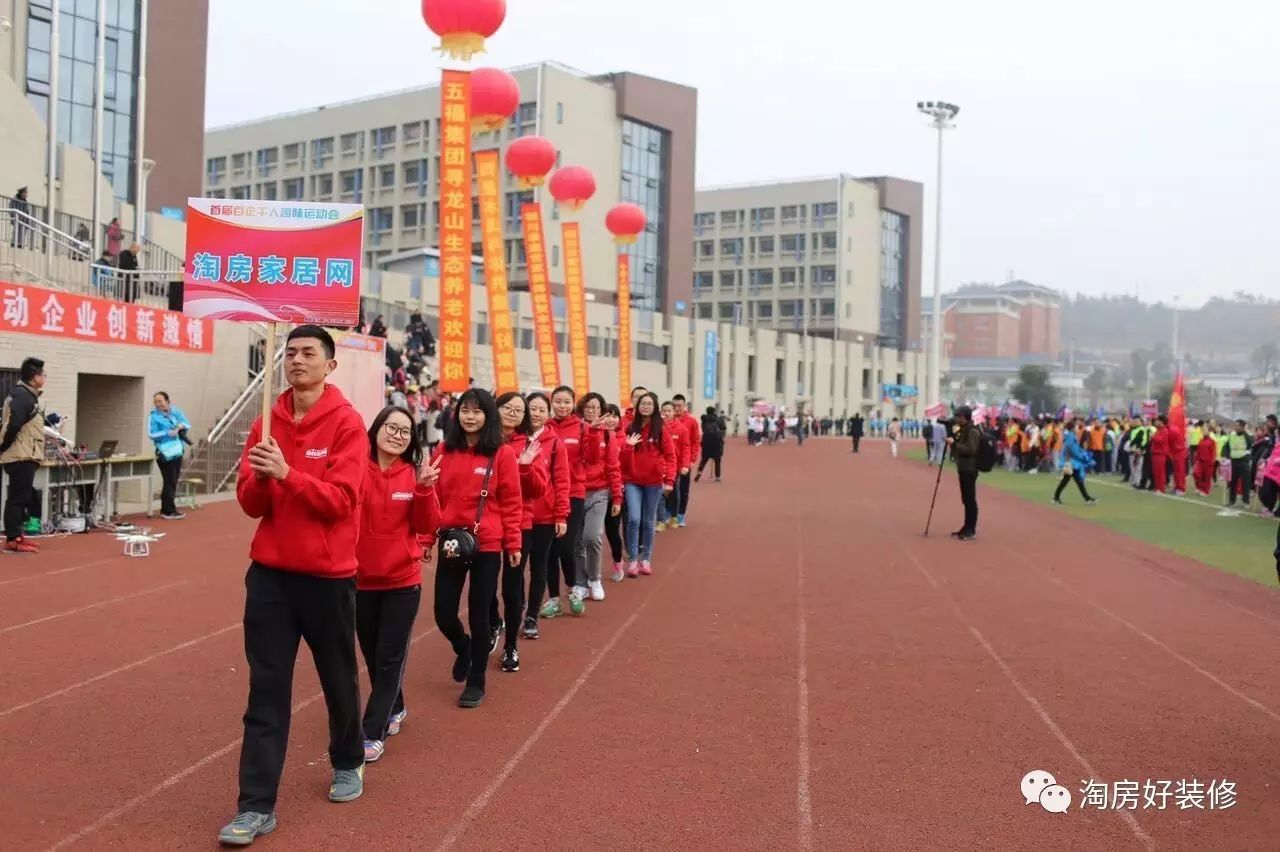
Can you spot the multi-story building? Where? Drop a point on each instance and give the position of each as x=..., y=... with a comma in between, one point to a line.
x=1016, y=320
x=836, y=257
x=166, y=63
x=637, y=135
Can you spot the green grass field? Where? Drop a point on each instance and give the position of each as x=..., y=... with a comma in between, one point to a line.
x=1242, y=544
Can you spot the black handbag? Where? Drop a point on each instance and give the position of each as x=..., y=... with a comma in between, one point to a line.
x=459, y=543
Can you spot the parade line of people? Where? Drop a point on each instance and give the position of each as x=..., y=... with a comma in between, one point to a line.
x=520, y=495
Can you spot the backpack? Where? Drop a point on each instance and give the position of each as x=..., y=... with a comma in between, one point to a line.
x=986, y=452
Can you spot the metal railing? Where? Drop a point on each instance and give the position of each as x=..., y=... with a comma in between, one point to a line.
x=218, y=455
x=153, y=256
x=32, y=251
x=144, y=286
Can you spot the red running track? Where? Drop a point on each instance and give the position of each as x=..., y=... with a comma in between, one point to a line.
x=803, y=671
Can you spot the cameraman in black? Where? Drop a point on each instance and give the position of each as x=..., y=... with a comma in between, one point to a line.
x=964, y=438
x=168, y=428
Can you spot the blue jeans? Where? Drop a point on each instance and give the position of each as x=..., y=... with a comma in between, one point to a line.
x=642, y=509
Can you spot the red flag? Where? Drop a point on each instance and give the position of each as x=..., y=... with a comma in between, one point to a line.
x=1178, y=408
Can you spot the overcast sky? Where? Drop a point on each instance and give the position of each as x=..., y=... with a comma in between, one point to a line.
x=1102, y=147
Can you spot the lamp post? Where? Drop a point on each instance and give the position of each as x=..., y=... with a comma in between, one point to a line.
x=941, y=114
x=140, y=226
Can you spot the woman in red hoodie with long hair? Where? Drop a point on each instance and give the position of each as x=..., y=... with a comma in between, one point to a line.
x=572, y=432
x=513, y=412
x=479, y=491
x=603, y=481
x=649, y=470
x=613, y=521
x=550, y=513
x=398, y=504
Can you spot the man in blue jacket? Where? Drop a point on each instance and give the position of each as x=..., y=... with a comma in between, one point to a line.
x=1077, y=462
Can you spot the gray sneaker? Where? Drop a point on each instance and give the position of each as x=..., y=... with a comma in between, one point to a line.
x=245, y=827
x=348, y=784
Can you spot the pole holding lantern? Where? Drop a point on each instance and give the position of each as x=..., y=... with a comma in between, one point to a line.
x=573, y=186
x=626, y=222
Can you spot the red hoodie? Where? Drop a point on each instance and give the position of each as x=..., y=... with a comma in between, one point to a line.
x=394, y=511
x=679, y=442
x=649, y=463
x=461, y=478
x=533, y=479
x=1160, y=443
x=605, y=471
x=310, y=521
x=572, y=432
x=693, y=431
x=553, y=507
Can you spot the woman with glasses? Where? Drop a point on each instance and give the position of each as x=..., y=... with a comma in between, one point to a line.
x=550, y=512
x=603, y=481
x=398, y=504
x=516, y=428
x=613, y=522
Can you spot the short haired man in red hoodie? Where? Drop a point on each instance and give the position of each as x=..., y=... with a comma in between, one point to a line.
x=303, y=484
x=692, y=429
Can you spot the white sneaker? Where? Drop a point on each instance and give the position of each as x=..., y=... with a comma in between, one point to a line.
x=597, y=590
x=580, y=591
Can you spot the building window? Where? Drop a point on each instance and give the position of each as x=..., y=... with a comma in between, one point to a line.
x=293, y=189
x=267, y=191
x=827, y=308
x=704, y=220
x=527, y=114
x=383, y=138
x=707, y=248
x=764, y=310
x=791, y=275
x=728, y=279
x=827, y=241
x=240, y=192
x=728, y=218
x=764, y=245
x=731, y=247
x=293, y=153
x=321, y=151
x=792, y=213
x=824, y=275
x=559, y=112
x=644, y=182
x=352, y=144
x=704, y=310
x=789, y=307
x=825, y=210
x=237, y=164
x=701, y=281
x=411, y=216
x=893, y=242
x=762, y=277
x=352, y=182
x=728, y=311
x=215, y=170
x=793, y=244
x=763, y=217
x=383, y=220
x=850, y=209
x=322, y=187
x=387, y=177
x=412, y=132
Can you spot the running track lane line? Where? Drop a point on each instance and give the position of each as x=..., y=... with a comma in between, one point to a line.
x=118, y=670
x=1043, y=714
x=181, y=775
x=804, y=801
x=117, y=599
x=93, y=564
x=482, y=801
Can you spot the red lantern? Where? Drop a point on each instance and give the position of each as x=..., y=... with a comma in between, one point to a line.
x=626, y=222
x=573, y=186
x=495, y=96
x=463, y=25
x=530, y=158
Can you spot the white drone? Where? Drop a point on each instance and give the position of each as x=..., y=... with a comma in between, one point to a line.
x=138, y=542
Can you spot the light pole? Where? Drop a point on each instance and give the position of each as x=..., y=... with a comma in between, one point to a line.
x=942, y=114
x=140, y=226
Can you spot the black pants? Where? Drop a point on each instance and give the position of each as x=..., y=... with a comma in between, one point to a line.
x=683, y=481
x=1126, y=470
x=702, y=465
x=1145, y=483
x=384, y=625
x=450, y=576
x=512, y=593
x=969, y=496
x=1067, y=477
x=537, y=554
x=613, y=532
x=857, y=439
x=170, y=473
x=281, y=608
x=1100, y=460
x=564, y=550
x=18, y=501
x=1240, y=475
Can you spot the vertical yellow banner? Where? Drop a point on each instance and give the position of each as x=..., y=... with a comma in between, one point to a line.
x=575, y=296
x=455, y=231
x=624, y=326
x=544, y=323
x=505, y=376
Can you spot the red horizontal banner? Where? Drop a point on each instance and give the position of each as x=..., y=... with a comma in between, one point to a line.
x=54, y=313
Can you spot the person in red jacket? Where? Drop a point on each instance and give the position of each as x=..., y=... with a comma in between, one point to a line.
x=303, y=485
x=1206, y=462
x=516, y=429
x=1160, y=454
x=692, y=430
x=613, y=522
x=630, y=414
x=550, y=512
x=399, y=505
x=603, y=477
x=573, y=434
x=670, y=505
x=479, y=492
x=648, y=460
x=1178, y=457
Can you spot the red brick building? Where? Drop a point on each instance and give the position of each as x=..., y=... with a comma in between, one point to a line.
x=1011, y=320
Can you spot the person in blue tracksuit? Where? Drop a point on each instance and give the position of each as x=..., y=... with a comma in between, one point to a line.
x=168, y=428
x=1077, y=462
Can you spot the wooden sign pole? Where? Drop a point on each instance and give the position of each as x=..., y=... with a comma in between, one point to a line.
x=268, y=375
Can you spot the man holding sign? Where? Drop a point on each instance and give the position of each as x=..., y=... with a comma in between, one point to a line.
x=300, y=474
